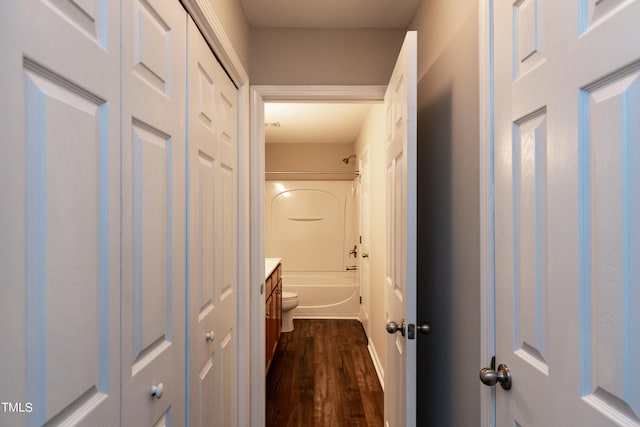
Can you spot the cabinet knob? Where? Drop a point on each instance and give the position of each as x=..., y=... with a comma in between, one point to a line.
x=210, y=336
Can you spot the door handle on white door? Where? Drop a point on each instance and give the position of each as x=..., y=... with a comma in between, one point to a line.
x=393, y=327
x=489, y=376
x=423, y=328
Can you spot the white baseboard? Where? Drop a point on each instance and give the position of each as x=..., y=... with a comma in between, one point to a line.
x=376, y=363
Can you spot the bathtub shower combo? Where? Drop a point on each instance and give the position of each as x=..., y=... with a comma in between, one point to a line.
x=311, y=226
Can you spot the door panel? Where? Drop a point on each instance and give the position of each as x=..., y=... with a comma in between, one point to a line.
x=566, y=94
x=59, y=224
x=610, y=291
x=400, y=271
x=154, y=205
x=212, y=270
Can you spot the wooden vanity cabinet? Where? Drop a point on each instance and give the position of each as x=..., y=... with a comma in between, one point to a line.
x=273, y=312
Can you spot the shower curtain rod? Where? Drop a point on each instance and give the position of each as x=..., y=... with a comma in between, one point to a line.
x=310, y=173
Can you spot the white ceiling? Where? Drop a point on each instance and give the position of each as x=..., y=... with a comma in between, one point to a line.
x=329, y=13
x=314, y=123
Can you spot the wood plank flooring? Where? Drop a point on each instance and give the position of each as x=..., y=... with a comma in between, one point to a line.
x=322, y=375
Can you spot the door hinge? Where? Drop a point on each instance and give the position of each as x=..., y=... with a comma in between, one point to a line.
x=360, y=300
x=360, y=239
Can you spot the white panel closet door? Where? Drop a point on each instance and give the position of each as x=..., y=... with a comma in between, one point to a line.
x=567, y=194
x=60, y=215
x=213, y=236
x=153, y=212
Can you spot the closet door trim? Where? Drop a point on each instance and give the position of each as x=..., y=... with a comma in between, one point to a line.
x=213, y=32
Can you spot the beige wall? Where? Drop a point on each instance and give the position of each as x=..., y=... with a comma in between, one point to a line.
x=371, y=137
x=323, y=56
x=236, y=27
x=448, y=212
x=309, y=158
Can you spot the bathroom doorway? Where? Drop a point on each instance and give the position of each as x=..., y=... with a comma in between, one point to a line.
x=314, y=225
x=311, y=200
x=335, y=166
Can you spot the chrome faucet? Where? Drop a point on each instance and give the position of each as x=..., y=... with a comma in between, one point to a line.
x=354, y=251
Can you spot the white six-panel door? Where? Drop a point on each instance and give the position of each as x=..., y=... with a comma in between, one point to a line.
x=93, y=225
x=567, y=203
x=60, y=215
x=400, y=266
x=212, y=271
x=153, y=212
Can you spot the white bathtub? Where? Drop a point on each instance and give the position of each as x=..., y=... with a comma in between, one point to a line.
x=324, y=295
x=310, y=225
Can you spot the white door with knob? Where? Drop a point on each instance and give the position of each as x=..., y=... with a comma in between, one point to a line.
x=60, y=214
x=567, y=203
x=153, y=212
x=400, y=264
x=213, y=237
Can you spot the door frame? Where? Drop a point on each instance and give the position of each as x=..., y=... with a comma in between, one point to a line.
x=258, y=96
x=365, y=288
x=487, y=226
x=212, y=30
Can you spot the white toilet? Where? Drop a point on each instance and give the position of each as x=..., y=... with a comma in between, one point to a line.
x=289, y=302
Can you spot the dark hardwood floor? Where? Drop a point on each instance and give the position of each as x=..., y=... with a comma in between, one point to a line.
x=322, y=375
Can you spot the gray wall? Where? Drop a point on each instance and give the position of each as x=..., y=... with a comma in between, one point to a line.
x=323, y=56
x=448, y=212
x=308, y=158
x=236, y=27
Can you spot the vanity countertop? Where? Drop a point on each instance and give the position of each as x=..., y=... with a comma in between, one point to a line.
x=270, y=264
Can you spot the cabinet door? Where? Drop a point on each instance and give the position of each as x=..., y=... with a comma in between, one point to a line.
x=60, y=215
x=269, y=330
x=269, y=285
x=272, y=328
x=278, y=312
x=153, y=212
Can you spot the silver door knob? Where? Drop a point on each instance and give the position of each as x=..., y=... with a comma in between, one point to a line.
x=490, y=377
x=424, y=328
x=210, y=336
x=393, y=327
x=157, y=391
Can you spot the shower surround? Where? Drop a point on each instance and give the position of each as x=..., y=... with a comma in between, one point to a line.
x=311, y=225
